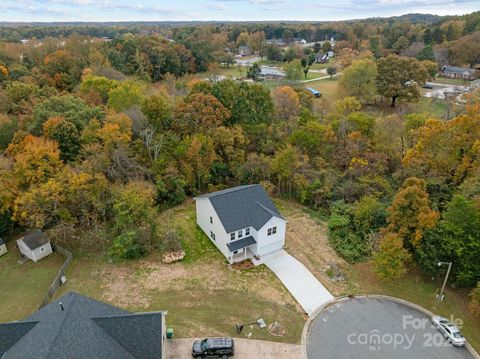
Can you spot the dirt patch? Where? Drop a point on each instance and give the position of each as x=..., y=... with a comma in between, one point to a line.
x=307, y=241
x=246, y=264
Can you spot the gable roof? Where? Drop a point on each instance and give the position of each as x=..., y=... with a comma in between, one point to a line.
x=458, y=70
x=85, y=328
x=243, y=206
x=34, y=239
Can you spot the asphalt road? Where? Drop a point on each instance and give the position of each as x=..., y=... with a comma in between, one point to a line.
x=368, y=328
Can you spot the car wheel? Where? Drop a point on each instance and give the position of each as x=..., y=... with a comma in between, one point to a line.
x=225, y=357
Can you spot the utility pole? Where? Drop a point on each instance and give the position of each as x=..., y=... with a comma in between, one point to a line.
x=441, y=296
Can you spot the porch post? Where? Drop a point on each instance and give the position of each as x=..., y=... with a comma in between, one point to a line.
x=245, y=253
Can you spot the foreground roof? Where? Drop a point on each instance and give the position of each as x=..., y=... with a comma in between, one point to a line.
x=85, y=328
x=243, y=206
x=34, y=239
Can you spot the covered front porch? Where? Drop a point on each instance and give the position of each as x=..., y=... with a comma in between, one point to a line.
x=241, y=249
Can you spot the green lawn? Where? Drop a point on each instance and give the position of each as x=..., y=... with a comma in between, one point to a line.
x=449, y=81
x=415, y=288
x=203, y=295
x=23, y=286
x=327, y=87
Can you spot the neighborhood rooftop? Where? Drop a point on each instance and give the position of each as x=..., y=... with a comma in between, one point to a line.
x=458, y=70
x=75, y=326
x=243, y=206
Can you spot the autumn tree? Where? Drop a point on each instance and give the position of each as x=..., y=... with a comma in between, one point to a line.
x=124, y=96
x=359, y=80
x=97, y=85
x=390, y=260
x=410, y=213
x=398, y=78
x=61, y=69
x=65, y=134
x=287, y=103
x=159, y=111
x=199, y=113
x=72, y=109
x=36, y=160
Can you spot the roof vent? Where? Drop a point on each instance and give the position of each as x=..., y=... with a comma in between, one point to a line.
x=61, y=306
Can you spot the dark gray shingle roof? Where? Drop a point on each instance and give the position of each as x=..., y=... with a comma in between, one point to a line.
x=86, y=328
x=243, y=206
x=241, y=243
x=35, y=239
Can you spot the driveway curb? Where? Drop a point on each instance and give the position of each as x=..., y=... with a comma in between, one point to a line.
x=375, y=296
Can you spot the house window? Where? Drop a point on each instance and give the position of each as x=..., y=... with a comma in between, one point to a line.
x=232, y=236
x=42, y=249
x=212, y=235
x=247, y=231
x=271, y=231
x=240, y=234
x=211, y=220
x=235, y=252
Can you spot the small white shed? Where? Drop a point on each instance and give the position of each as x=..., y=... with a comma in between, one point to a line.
x=35, y=245
x=3, y=248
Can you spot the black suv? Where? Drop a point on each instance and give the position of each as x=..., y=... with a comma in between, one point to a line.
x=213, y=348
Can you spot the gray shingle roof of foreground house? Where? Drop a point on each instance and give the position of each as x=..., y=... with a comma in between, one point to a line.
x=243, y=206
x=75, y=326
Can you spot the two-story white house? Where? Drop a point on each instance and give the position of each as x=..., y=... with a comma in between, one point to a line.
x=242, y=222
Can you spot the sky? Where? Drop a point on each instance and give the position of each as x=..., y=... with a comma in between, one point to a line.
x=231, y=10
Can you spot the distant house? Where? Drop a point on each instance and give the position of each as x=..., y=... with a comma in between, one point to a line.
x=24, y=41
x=3, y=248
x=76, y=326
x=35, y=245
x=464, y=73
x=242, y=222
x=277, y=42
x=323, y=58
x=270, y=72
x=244, y=50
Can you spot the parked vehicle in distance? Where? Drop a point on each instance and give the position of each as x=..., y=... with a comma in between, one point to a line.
x=449, y=331
x=213, y=348
x=427, y=85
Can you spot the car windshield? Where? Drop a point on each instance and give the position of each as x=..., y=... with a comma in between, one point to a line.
x=203, y=345
x=457, y=335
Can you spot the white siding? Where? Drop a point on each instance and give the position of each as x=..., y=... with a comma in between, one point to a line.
x=42, y=251
x=36, y=254
x=3, y=249
x=205, y=210
x=267, y=244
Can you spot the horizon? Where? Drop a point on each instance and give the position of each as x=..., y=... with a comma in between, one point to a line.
x=106, y=11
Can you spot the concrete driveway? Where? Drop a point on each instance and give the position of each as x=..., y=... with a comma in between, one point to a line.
x=244, y=349
x=299, y=281
x=376, y=328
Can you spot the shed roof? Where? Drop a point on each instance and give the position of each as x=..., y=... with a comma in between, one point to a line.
x=34, y=239
x=85, y=328
x=243, y=206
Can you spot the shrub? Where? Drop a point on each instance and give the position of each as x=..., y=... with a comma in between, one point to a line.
x=126, y=246
x=474, y=304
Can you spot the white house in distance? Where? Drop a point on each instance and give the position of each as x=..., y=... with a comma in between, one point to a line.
x=35, y=245
x=242, y=222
